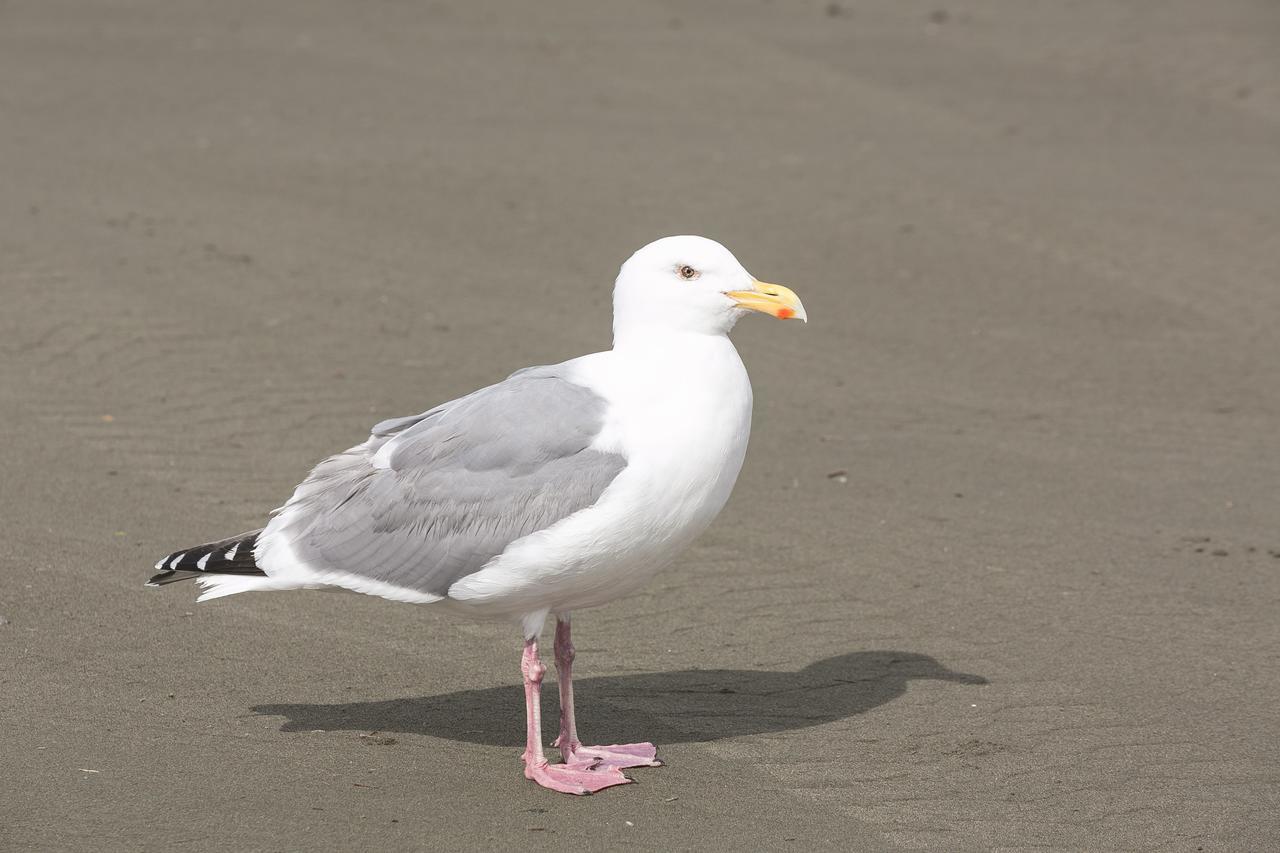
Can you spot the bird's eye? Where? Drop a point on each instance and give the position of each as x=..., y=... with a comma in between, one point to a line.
x=687, y=272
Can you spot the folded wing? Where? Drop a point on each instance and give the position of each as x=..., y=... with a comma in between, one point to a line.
x=432, y=498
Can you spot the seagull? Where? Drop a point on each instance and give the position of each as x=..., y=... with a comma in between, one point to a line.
x=559, y=488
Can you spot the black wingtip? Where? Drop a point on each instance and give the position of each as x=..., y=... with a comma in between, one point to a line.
x=170, y=576
x=233, y=556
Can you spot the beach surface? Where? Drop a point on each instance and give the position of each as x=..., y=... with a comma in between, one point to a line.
x=1002, y=569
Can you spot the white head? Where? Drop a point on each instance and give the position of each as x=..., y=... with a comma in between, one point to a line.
x=692, y=284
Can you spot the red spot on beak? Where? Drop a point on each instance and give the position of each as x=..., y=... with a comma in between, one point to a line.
x=785, y=313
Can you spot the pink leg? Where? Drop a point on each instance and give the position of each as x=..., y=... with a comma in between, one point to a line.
x=571, y=749
x=558, y=777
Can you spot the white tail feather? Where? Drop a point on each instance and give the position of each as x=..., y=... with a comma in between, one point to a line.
x=216, y=586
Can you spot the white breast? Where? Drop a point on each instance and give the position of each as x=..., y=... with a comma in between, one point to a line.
x=680, y=411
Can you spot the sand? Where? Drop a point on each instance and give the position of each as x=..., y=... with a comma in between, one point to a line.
x=1000, y=572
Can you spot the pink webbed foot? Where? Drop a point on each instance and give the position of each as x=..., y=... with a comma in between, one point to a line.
x=576, y=779
x=616, y=756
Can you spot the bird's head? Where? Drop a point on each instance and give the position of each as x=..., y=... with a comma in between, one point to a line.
x=693, y=284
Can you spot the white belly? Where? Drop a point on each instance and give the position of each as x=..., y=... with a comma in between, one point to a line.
x=682, y=417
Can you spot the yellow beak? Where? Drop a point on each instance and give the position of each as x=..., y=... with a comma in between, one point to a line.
x=773, y=299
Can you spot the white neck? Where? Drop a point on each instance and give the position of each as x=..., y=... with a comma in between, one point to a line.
x=676, y=369
x=642, y=333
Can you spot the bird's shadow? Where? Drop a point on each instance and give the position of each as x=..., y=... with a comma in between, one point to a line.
x=691, y=705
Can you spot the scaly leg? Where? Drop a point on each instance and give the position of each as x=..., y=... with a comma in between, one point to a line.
x=571, y=749
x=575, y=779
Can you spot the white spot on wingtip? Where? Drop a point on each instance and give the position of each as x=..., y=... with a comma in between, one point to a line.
x=160, y=563
x=203, y=561
x=173, y=564
x=231, y=555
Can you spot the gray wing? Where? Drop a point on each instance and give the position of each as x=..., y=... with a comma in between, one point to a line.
x=454, y=486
